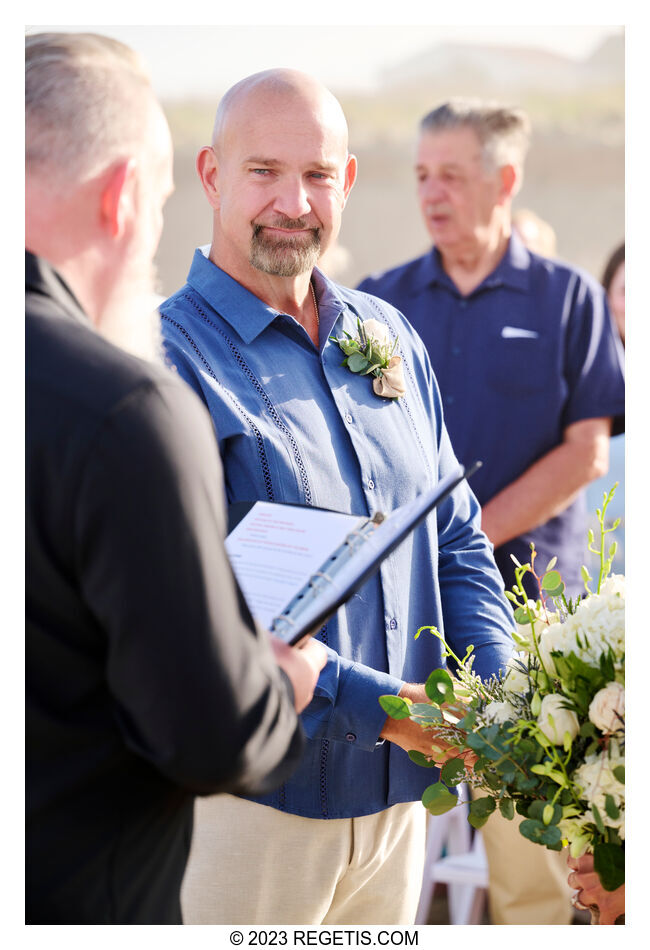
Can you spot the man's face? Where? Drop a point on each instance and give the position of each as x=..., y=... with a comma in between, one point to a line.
x=457, y=196
x=282, y=180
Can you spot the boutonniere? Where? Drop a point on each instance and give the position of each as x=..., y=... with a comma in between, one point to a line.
x=371, y=353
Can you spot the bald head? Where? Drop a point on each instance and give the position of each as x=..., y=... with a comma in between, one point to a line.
x=278, y=90
x=277, y=175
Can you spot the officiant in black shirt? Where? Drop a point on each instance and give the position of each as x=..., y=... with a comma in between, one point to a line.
x=147, y=681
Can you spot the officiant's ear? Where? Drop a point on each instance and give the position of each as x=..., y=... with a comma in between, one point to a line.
x=208, y=169
x=118, y=193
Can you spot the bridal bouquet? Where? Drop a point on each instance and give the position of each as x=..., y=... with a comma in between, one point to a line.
x=549, y=733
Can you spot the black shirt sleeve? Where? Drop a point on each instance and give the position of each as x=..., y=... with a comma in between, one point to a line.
x=197, y=692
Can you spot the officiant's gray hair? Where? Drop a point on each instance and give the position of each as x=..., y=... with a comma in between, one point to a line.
x=504, y=132
x=87, y=104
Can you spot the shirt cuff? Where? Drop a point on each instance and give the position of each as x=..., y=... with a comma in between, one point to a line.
x=346, y=706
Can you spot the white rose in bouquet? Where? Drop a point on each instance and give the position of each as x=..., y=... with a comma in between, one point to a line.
x=598, y=623
x=556, y=637
x=555, y=719
x=608, y=707
x=377, y=330
x=500, y=712
x=516, y=679
x=596, y=780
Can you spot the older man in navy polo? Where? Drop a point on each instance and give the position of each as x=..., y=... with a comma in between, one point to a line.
x=529, y=366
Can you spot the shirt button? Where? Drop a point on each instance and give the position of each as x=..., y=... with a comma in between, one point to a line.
x=393, y=624
x=450, y=400
x=348, y=417
x=462, y=304
x=351, y=737
x=371, y=484
x=455, y=351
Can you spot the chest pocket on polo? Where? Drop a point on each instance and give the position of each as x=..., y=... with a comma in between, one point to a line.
x=517, y=360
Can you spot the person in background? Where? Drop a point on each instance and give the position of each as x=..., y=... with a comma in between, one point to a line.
x=147, y=682
x=252, y=331
x=535, y=233
x=530, y=373
x=613, y=281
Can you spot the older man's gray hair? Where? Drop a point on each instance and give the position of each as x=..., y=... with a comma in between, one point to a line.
x=87, y=103
x=504, y=133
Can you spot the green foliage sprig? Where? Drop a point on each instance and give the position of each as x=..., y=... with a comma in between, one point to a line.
x=364, y=354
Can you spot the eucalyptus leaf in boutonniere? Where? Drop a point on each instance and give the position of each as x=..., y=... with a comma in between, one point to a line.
x=371, y=353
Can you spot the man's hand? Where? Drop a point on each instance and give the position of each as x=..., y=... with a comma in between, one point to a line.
x=302, y=665
x=410, y=736
x=585, y=880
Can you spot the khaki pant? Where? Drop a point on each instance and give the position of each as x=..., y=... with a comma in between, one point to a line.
x=528, y=883
x=251, y=864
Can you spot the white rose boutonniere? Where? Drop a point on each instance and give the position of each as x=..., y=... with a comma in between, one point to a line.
x=371, y=353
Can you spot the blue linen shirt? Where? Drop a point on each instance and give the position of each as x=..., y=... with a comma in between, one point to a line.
x=527, y=353
x=293, y=425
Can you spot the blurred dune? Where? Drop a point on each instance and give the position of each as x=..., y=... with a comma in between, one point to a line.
x=574, y=173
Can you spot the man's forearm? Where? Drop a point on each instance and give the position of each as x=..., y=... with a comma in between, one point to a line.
x=551, y=484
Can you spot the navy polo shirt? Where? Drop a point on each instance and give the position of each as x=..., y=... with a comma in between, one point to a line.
x=530, y=351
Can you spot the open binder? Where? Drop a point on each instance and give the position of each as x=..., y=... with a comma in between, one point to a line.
x=267, y=553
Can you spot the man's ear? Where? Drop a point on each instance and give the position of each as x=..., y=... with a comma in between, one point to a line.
x=208, y=169
x=509, y=182
x=350, y=175
x=118, y=205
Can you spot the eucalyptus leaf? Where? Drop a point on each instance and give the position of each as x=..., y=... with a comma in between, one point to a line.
x=424, y=712
x=521, y=615
x=437, y=799
x=357, y=362
x=395, y=707
x=507, y=808
x=453, y=771
x=551, y=580
x=619, y=773
x=609, y=864
x=439, y=687
x=420, y=759
x=480, y=810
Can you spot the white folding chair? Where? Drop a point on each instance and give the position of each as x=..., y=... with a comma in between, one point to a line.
x=463, y=868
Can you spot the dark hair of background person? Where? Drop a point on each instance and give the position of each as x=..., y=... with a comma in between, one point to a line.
x=617, y=258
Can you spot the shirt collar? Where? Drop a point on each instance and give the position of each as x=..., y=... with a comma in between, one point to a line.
x=42, y=278
x=245, y=312
x=513, y=270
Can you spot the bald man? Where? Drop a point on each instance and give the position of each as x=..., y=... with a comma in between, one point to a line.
x=252, y=332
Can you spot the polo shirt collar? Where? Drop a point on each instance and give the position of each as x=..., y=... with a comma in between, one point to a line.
x=513, y=270
x=247, y=314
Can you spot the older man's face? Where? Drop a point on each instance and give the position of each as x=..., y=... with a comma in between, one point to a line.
x=283, y=176
x=457, y=196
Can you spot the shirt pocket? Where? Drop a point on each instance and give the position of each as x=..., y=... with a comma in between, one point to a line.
x=518, y=365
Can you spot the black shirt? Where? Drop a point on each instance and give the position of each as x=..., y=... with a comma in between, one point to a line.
x=146, y=680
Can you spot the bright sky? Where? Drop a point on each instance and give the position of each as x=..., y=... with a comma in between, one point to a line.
x=220, y=55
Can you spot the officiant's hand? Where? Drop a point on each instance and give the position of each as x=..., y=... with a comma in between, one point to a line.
x=302, y=665
x=412, y=737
